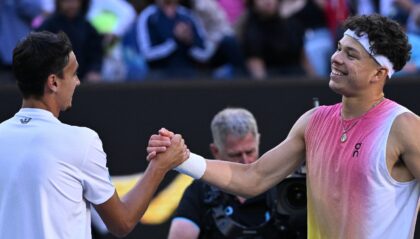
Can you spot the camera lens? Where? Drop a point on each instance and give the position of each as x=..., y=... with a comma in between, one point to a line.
x=296, y=195
x=291, y=195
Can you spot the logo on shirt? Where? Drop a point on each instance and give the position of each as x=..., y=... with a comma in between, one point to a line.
x=25, y=120
x=356, y=149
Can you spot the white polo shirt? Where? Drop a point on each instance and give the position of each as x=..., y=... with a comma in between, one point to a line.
x=50, y=173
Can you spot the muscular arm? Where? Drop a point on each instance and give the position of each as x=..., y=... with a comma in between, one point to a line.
x=404, y=144
x=121, y=216
x=252, y=179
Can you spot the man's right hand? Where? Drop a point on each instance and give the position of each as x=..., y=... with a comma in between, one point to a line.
x=174, y=154
x=121, y=216
x=158, y=143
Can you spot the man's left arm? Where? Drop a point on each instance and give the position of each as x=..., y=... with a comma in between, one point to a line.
x=407, y=133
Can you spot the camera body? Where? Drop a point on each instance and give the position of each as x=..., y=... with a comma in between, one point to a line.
x=287, y=208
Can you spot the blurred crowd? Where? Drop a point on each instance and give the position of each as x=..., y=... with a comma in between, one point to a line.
x=138, y=40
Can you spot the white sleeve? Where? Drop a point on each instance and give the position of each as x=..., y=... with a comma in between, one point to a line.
x=96, y=181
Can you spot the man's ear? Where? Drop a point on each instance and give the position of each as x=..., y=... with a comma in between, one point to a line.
x=52, y=83
x=381, y=75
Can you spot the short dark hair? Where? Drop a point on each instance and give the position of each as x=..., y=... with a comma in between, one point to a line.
x=37, y=56
x=237, y=122
x=386, y=36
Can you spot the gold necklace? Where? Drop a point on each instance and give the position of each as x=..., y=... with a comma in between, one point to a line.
x=344, y=137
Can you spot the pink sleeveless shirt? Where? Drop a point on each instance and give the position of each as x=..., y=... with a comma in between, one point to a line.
x=351, y=193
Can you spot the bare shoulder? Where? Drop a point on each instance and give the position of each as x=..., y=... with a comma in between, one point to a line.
x=308, y=114
x=404, y=138
x=406, y=128
x=300, y=126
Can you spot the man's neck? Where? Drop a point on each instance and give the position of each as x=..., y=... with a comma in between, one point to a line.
x=355, y=107
x=40, y=104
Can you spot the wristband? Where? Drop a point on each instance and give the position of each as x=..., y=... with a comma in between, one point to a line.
x=194, y=166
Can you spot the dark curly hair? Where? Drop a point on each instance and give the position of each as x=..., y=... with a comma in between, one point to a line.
x=36, y=57
x=387, y=37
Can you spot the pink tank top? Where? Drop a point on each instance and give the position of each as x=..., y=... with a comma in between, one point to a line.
x=351, y=194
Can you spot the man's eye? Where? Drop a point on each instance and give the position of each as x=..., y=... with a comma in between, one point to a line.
x=351, y=56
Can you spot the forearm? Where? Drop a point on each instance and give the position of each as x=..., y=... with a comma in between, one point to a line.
x=231, y=177
x=137, y=200
x=121, y=215
x=249, y=180
x=234, y=178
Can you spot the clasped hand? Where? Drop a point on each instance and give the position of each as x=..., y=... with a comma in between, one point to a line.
x=167, y=148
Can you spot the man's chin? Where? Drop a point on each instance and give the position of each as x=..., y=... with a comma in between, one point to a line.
x=334, y=88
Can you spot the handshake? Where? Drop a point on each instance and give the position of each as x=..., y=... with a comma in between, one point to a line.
x=168, y=151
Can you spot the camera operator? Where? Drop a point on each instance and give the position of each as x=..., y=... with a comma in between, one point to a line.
x=207, y=212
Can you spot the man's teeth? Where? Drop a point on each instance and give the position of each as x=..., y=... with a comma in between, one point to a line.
x=337, y=72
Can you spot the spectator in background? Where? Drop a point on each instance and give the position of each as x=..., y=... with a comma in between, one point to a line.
x=48, y=8
x=172, y=40
x=235, y=139
x=16, y=17
x=365, y=7
x=318, y=42
x=226, y=54
x=70, y=17
x=139, y=5
x=413, y=65
x=337, y=11
x=407, y=10
x=113, y=19
x=398, y=10
x=234, y=9
x=273, y=46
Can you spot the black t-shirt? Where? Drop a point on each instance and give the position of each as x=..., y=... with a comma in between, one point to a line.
x=193, y=206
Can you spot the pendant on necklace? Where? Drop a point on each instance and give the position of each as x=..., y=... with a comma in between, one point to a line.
x=343, y=138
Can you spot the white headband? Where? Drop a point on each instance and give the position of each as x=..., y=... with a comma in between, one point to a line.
x=364, y=41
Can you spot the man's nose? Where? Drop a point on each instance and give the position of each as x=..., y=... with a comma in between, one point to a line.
x=336, y=58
